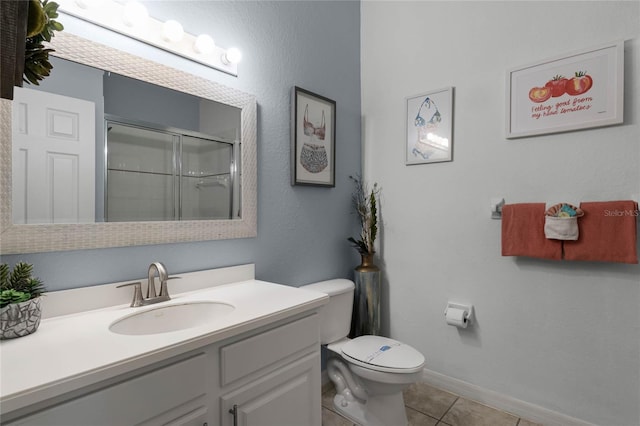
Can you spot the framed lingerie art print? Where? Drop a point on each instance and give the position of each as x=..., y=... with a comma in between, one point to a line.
x=313, y=139
x=429, y=124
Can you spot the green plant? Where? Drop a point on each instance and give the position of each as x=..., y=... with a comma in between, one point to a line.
x=18, y=285
x=41, y=27
x=365, y=204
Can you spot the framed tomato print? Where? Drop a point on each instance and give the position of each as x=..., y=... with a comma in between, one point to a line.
x=575, y=91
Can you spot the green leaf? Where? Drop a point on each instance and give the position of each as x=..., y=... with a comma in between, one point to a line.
x=28, y=77
x=358, y=245
x=4, y=276
x=21, y=272
x=20, y=280
x=12, y=296
x=37, y=65
x=34, y=287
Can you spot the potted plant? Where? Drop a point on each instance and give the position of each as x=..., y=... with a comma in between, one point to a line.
x=365, y=205
x=366, y=311
x=41, y=25
x=20, y=310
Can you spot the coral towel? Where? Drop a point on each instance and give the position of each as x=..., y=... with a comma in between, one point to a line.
x=607, y=233
x=523, y=232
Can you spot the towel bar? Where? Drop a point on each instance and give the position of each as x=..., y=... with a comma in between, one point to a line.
x=496, y=208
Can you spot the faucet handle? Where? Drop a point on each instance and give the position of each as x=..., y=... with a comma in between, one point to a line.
x=137, y=293
x=163, y=286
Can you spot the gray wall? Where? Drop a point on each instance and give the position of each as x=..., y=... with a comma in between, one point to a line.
x=302, y=231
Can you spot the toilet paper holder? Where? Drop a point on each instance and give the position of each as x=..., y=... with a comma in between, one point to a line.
x=467, y=312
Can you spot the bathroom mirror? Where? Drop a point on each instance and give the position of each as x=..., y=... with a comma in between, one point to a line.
x=132, y=151
x=20, y=238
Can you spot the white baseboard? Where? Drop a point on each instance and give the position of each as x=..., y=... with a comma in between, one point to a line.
x=502, y=402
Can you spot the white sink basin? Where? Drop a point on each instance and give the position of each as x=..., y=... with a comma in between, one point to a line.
x=165, y=319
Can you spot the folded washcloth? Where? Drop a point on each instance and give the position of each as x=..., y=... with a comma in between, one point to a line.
x=523, y=232
x=607, y=233
x=564, y=210
x=561, y=222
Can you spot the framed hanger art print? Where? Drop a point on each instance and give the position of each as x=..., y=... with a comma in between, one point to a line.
x=313, y=139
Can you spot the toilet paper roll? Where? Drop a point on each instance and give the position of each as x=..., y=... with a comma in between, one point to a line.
x=456, y=317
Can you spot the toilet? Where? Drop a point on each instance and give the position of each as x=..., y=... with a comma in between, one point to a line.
x=369, y=372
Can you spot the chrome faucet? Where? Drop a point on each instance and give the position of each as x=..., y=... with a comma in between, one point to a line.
x=155, y=268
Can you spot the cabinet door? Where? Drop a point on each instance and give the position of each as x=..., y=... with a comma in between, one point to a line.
x=174, y=395
x=286, y=397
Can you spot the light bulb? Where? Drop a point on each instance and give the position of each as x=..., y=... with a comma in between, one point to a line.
x=233, y=55
x=204, y=44
x=172, y=31
x=90, y=4
x=135, y=14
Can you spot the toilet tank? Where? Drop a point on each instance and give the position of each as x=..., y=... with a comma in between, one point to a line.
x=335, y=316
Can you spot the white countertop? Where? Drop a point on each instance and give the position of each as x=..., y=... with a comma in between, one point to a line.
x=71, y=351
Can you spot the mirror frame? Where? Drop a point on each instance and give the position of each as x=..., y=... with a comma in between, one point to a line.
x=36, y=238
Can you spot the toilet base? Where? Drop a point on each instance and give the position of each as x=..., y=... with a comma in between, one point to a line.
x=381, y=410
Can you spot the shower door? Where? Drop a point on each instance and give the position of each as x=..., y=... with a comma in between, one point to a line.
x=166, y=174
x=141, y=174
x=206, y=179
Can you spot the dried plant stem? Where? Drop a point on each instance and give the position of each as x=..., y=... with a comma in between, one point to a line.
x=365, y=205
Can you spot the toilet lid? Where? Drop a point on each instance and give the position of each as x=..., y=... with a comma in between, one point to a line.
x=378, y=351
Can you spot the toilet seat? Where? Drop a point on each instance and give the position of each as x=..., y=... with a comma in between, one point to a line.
x=383, y=354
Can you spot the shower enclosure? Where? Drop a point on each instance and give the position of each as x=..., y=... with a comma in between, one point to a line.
x=160, y=174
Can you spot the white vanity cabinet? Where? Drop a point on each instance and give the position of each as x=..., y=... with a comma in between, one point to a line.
x=268, y=376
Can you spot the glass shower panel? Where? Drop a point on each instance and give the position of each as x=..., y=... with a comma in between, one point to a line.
x=140, y=174
x=206, y=179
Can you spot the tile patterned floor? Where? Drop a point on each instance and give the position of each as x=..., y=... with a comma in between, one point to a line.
x=429, y=406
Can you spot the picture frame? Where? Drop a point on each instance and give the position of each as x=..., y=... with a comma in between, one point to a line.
x=429, y=127
x=574, y=91
x=313, y=139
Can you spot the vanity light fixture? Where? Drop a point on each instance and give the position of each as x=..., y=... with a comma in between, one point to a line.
x=172, y=31
x=204, y=44
x=133, y=20
x=135, y=14
x=233, y=55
